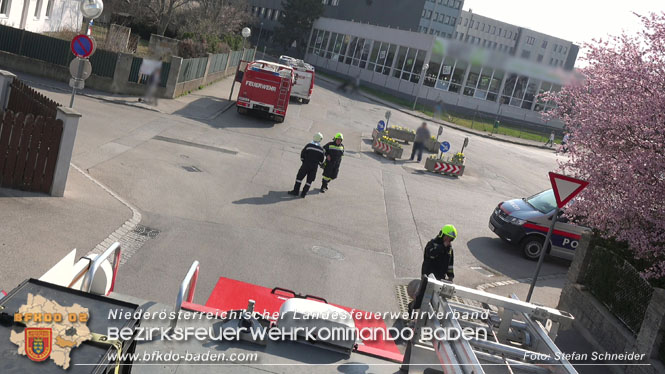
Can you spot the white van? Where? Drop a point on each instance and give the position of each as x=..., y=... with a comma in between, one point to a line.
x=304, y=78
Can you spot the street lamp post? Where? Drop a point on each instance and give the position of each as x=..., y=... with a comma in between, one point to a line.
x=256, y=47
x=425, y=67
x=246, y=33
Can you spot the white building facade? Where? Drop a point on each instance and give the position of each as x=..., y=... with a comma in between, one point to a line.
x=460, y=73
x=41, y=15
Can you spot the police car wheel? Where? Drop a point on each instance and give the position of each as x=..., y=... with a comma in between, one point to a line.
x=532, y=246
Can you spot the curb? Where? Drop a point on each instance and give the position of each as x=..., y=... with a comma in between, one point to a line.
x=447, y=124
x=124, y=229
x=98, y=97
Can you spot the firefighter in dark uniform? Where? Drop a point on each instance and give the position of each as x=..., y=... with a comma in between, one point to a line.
x=334, y=152
x=311, y=156
x=438, y=260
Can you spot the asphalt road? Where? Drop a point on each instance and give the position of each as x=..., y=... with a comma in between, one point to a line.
x=351, y=245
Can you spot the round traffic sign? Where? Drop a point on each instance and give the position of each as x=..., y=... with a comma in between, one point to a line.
x=82, y=46
x=445, y=146
x=381, y=126
x=80, y=68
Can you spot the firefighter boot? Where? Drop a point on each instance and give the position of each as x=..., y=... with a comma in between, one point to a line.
x=296, y=189
x=304, y=191
x=324, y=186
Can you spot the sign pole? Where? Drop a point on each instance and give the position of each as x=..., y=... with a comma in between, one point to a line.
x=542, y=254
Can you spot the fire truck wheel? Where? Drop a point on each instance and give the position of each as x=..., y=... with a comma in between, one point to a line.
x=279, y=119
x=242, y=110
x=305, y=101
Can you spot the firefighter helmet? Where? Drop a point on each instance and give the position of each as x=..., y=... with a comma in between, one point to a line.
x=318, y=137
x=448, y=230
x=339, y=136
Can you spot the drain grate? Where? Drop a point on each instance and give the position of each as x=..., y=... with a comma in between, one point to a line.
x=192, y=169
x=146, y=231
x=403, y=298
x=326, y=252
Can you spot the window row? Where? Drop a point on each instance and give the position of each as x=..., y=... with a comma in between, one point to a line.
x=389, y=59
x=5, y=8
x=455, y=4
x=448, y=74
x=439, y=17
x=489, y=29
x=330, y=2
x=266, y=13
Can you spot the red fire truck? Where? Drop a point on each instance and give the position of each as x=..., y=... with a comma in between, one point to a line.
x=266, y=88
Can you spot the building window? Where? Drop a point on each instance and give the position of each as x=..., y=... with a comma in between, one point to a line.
x=268, y=14
x=49, y=8
x=431, y=31
x=428, y=14
x=38, y=8
x=540, y=58
x=565, y=50
x=526, y=54
x=325, y=2
x=446, y=19
x=334, y=2
x=275, y=15
x=466, y=22
x=544, y=45
x=530, y=40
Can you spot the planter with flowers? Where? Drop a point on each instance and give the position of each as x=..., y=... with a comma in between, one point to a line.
x=388, y=147
x=432, y=145
x=402, y=133
x=453, y=166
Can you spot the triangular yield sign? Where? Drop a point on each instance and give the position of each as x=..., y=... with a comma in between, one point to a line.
x=566, y=188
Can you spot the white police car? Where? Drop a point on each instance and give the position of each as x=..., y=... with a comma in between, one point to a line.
x=525, y=222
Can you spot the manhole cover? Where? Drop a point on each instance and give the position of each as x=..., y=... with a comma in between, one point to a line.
x=328, y=252
x=146, y=231
x=192, y=169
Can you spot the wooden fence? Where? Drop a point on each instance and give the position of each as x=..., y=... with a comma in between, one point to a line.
x=29, y=148
x=22, y=98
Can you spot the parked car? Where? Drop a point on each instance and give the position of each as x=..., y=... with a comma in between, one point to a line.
x=525, y=222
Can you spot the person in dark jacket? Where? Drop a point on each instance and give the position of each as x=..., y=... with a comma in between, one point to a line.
x=334, y=152
x=438, y=260
x=311, y=156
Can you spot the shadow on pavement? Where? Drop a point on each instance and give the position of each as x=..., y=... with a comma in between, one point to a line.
x=8, y=192
x=273, y=197
x=206, y=107
x=507, y=259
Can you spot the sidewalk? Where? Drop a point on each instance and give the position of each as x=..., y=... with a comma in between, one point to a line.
x=499, y=137
x=200, y=104
x=39, y=230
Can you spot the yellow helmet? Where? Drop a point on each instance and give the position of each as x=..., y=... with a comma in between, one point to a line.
x=448, y=230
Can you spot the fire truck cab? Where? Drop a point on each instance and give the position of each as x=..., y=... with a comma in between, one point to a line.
x=304, y=78
x=266, y=88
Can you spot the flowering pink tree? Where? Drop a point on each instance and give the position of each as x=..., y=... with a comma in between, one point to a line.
x=616, y=118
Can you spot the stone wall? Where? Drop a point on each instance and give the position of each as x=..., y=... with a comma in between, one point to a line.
x=604, y=330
